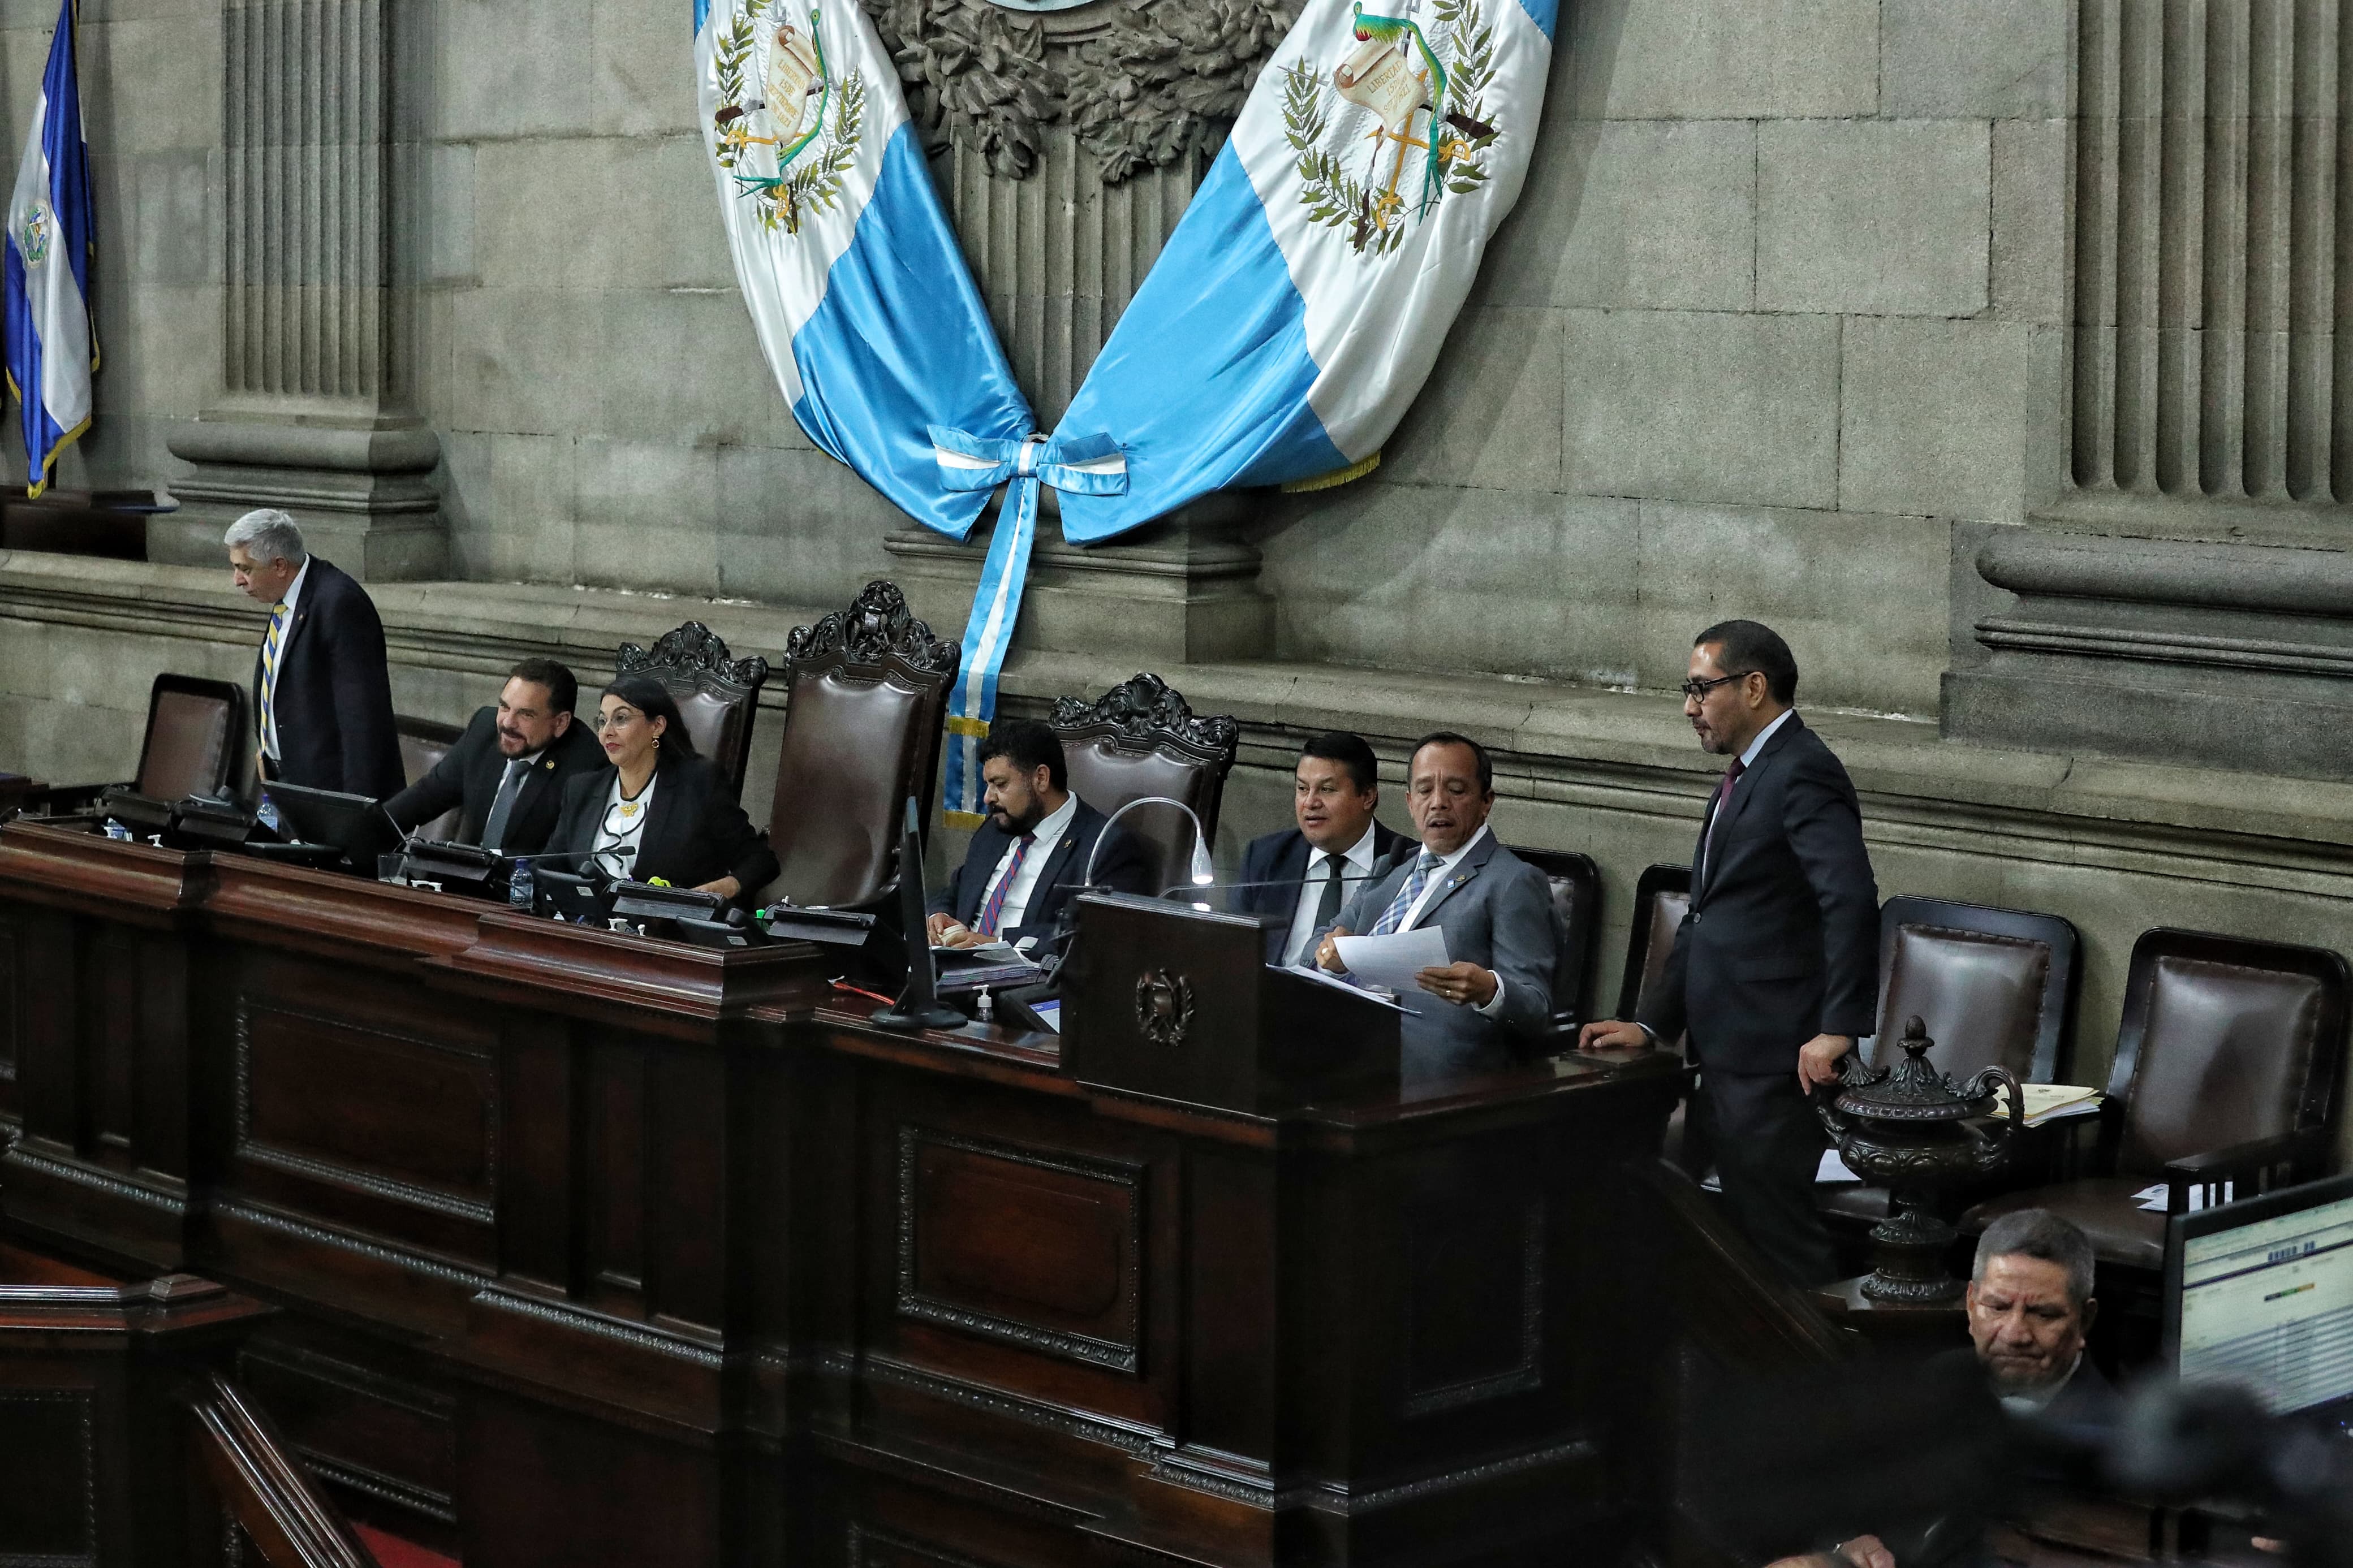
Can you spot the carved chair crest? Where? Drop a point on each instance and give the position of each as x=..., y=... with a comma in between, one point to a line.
x=876, y=629
x=1145, y=713
x=695, y=656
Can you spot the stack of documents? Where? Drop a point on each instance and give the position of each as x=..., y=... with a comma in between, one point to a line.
x=2054, y=1103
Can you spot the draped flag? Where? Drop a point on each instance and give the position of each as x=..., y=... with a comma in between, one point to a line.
x=52, y=351
x=856, y=288
x=1302, y=298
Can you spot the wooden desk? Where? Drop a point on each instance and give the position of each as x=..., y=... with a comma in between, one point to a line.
x=597, y=1250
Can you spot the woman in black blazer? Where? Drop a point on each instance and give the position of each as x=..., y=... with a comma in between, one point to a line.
x=659, y=811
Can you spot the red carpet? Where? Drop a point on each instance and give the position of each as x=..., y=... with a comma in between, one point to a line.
x=392, y=1551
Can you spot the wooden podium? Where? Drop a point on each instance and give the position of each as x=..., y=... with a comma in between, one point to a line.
x=1180, y=1004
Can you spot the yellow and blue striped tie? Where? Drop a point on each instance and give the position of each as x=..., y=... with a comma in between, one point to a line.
x=269, y=672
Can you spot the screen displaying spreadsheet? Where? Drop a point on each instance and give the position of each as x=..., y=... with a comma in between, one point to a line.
x=2269, y=1305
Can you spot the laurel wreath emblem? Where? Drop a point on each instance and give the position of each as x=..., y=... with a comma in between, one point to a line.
x=1376, y=215
x=809, y=182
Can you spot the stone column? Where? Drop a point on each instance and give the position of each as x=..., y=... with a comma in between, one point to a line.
x=316, y=415
x=2184, y=594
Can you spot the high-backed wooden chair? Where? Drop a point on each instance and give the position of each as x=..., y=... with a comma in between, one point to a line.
x=1576, y=883
x=1995, y=987
x=423, y=743
x=1140, y=739
x=197, y=739
x=717, y=694
x=867, y=688
x=2226, y=1070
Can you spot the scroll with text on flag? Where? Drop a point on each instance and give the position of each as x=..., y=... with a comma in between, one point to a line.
x=52, y=349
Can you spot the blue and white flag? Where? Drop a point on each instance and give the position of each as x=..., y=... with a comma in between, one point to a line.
x=858, y=290
x=52, y=351
x=1302, y=298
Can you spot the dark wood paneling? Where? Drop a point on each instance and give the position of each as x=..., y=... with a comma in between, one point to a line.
x=49, y=1502
x=541, y=1485
x=1036, y=1248
x=12, y=1018
x=616, y=1172
x=383, y=1443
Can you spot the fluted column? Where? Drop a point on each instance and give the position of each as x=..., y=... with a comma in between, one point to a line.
x=315, y=414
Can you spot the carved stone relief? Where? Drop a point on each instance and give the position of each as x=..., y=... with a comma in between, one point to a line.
x=1140, y=82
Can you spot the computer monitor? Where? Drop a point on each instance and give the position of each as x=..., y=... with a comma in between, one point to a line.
x=2260, y=1293
x=353, y=824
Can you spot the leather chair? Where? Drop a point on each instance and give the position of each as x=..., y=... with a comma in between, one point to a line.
x=1661, y=898
x=866, y=691
x=1576, y=883
x=197, y=742
x=423, y=743
x=1996, y=987
x=717, y=695
x=2227, y=1061
x=1140, y=739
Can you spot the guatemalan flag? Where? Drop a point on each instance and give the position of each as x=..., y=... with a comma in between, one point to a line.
x=52, y=349
x=861, y=299
x=1301, y=299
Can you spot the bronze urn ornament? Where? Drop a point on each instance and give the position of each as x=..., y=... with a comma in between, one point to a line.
x=1917, y=1132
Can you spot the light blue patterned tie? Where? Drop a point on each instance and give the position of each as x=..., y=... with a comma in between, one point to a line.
x=1402, y=905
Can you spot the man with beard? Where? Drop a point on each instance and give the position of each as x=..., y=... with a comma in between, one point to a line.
x=509, y=769
x=1030, y=858
x=1775, y=970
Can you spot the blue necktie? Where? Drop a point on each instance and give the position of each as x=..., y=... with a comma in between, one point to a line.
x=1402, y=905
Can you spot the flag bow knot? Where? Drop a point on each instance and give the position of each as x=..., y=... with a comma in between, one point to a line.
x=1092, y=465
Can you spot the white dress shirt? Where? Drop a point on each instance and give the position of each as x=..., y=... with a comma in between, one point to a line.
x=1359, y=862
x=1749, y=757
x=1048, y=833
x=285, y=631
x=1437, y=885
x=623, y=827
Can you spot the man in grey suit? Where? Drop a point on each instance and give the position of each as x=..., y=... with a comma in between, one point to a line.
x=1501, y=931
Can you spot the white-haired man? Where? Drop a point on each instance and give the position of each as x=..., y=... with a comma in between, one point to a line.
x=321, y=696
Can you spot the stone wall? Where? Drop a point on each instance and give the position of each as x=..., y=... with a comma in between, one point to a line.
x=1776, y=312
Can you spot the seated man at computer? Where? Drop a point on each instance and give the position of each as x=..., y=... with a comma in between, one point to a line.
x=508, y=770
x=1028, y=860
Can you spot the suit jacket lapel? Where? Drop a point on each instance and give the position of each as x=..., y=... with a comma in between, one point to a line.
x=655, y=844
x=1744, y=789
x=1288, y=869
x=1460, y=876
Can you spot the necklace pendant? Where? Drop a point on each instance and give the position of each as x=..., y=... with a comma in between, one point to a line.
x=628, y=809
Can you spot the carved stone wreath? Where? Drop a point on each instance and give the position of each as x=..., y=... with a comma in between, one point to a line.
x=877, y=626
x=1140, y=82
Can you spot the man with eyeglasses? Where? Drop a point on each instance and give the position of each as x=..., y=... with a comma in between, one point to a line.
x=1774, y=971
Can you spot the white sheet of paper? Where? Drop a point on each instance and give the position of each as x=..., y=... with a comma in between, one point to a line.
x=1833, y=1168
x=1393, y=961
x=1333, y=981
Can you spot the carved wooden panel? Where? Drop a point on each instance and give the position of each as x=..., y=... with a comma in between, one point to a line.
x=117, y=978
x=1475, y=1302
x=1038, y=1249
x=387, y=1445
x=616, y=1178
x=48, y=1502
x=402, y=1114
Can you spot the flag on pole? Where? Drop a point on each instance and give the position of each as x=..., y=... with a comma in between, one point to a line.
x=1304, y=297
x=52, y=349
x=859, y=294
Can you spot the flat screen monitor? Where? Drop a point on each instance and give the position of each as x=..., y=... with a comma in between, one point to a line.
x=2260, y=1293
x=351, y=823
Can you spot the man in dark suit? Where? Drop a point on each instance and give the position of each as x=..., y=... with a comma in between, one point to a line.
x=1503, y=933
x=1030, y=858
x=508, y=770
x=1774, y=971
x=1298, y=879
x=322, y=694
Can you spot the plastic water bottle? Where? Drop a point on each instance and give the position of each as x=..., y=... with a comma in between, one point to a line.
x=520, y=890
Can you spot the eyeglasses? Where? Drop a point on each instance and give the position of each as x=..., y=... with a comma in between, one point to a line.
x=1697, y=690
